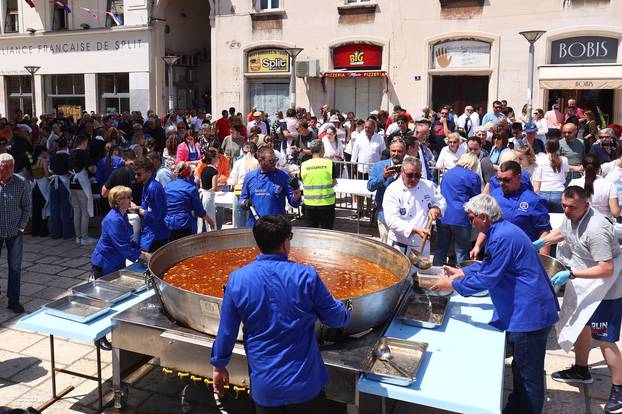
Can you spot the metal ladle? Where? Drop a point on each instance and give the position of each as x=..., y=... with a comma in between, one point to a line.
x=383, y=353
x=416, y=259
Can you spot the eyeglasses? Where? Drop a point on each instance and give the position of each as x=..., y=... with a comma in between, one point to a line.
x=452, y=142
x=412, y=176
x=444, y=113
x=291, y=236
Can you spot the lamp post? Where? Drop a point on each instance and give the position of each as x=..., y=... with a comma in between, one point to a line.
x=170, y=61
x=292, y=52
x=532, y=37
x=32, y=70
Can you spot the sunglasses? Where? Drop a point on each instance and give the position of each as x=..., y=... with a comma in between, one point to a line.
x=452, y=142
x=271, y=161
x=472, y=219
x=505, y=180
x=444, y=113
x=412, y=176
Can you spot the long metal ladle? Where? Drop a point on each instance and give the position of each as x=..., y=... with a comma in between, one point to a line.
x=383, y=353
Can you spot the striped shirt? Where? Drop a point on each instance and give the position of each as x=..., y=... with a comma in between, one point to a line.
x=15, y=206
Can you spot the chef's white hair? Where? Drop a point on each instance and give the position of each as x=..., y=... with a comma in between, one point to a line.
x=6, y=158
x=484, y=204
x=415, y=162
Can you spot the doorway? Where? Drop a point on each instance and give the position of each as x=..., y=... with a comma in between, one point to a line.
x=599, y=101
x=359, y=95
x=459, y=91
x=269, y=97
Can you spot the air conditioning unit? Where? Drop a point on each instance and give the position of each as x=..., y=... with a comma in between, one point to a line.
x=308, y=68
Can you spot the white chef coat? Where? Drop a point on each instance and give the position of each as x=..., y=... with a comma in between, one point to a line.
x=407, y=208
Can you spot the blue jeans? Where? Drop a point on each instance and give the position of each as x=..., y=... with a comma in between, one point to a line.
x=61, y=224
x=462, y=242
x=553, y=200
x=14, y=247
x=527, y=397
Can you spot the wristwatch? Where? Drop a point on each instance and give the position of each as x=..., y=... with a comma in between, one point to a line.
x=572, y=276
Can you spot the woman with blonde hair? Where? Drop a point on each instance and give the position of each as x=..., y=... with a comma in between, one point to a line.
x=458, y=186
x=450, y=154
x=526, y=157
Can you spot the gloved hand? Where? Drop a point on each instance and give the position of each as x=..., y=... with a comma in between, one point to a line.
x=538, y=244
x=560, y=278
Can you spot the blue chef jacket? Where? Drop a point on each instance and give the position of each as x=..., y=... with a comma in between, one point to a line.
x=378, y=184
x=103, y=171
x=115, y=243
x=278, y=302
x=267, y=191
x=525, y=209
x=519, y=287
x=153, y=224
x=458, y=185
x=182, y=198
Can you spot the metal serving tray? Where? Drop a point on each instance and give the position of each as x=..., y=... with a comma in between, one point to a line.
x=416, y=310
x=77, y=308
x=102, y=290
x=126, y=280
x=406, y=354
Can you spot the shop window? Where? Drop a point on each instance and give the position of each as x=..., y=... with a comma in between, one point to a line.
x=269, y=4
x=67, y=85
x=59, y=15
x=11, y=19
x=19, y=92
x=114, y=90
x=66, y=91
x=114, y=15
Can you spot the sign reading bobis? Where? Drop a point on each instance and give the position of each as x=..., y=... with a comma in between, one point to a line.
x=584, y=49
x=267, y=61
x=357, y=57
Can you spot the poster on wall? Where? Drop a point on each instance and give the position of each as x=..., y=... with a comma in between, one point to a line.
x=70, y=110
x=267, y=61
x=461, y=54
x=357, y=56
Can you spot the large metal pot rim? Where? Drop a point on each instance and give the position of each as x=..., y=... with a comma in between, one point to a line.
x=359, y=239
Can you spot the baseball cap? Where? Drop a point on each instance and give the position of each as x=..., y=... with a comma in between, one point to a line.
x=530, y=127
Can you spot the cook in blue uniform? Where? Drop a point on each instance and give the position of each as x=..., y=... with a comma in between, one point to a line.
x=115, y=244
x=266, y=188
x=458, y=185
x=382, y=174
x=524, y=301
x=152, y=210
x=278, y=302
x=182, y=200
x=520, y=205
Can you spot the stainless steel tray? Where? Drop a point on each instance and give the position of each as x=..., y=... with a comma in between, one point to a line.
x=406, y=354
x=77, y=308
x=126, y=280
x=102, y=290
x=416, y=310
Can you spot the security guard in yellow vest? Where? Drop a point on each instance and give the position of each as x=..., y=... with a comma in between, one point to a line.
x=319, y=178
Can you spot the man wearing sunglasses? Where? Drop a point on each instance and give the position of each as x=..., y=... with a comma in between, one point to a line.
x=408, y=204
x=267, y=187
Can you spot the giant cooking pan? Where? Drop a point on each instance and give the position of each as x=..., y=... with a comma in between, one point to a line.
x=202, y=312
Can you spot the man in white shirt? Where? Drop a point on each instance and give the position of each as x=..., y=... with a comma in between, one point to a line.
x=367, y=149
x=469, y=120
x=408, y=203
x=257, y=122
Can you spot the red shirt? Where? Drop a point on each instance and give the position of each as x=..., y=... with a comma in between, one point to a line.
x=222, y=128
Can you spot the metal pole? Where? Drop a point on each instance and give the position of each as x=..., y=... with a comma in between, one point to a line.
x=170, y=88
x=34, y=104
x=292, y=83
x=530, y=81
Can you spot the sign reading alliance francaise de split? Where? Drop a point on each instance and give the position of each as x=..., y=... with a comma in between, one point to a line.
x=584, y=49
x=72, y=47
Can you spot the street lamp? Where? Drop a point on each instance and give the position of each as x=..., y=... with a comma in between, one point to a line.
x=170, y=61
x=532, y=37
x=32, y=70
x=292, y=52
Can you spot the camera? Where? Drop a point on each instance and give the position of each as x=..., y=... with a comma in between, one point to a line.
x=397, y=168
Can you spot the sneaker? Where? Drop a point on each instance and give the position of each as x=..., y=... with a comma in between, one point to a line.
x=78, y=240
x=614, y=405
x=573, y=374
x=88, y=241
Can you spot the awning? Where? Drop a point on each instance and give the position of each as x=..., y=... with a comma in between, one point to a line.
x=581, y=84
x=356, y=74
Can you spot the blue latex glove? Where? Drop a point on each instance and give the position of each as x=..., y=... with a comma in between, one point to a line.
x=538, y=244
x=560, y=278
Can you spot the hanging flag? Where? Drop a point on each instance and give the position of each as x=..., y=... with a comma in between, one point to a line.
x=91, y=12
x=117, y=19
x=61, y=5
x=31, y=3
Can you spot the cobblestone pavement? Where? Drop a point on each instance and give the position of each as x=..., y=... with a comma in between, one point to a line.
x=52, y=266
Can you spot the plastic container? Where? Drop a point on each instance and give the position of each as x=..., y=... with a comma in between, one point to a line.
x=428, y=277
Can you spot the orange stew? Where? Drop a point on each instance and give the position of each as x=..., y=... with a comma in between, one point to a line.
x=345, y=275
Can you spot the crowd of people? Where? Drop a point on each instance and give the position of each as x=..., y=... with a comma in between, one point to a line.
x=161, y=175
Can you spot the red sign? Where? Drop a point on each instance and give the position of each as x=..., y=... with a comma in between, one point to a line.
x=356, y=74
x=357, y=56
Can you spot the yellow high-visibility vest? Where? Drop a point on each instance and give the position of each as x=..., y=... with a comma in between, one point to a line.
x=317, y=178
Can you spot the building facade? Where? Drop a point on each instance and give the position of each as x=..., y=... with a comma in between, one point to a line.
x=103, y=55
x=362, y=55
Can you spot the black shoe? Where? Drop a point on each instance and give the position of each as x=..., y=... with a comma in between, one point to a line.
x=574, y=374
x=105, y=344
x=16, y=307
x=614, y=405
